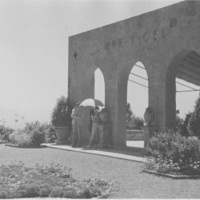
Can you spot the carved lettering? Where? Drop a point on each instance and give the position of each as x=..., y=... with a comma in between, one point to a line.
x=75, y=55
x=120, y=43
x=173, y=23
x=163, y=33
x=198, y=44
x=155, y=34
x=146, y=36
x=132, y=39
x=107, y=46
x=113, y=44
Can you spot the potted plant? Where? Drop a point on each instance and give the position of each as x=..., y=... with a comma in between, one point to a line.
x=61, y=119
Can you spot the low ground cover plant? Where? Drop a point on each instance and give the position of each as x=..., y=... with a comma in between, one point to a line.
x=18, y=181
x=174, y=154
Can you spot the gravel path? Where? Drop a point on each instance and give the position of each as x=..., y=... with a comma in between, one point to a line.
x=129, y=180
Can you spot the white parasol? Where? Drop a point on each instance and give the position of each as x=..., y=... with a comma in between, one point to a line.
x=91, y=103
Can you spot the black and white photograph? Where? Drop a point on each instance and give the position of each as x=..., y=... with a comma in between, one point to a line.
x=100, y=99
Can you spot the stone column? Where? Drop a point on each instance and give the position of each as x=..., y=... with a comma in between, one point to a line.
x=115, y=102
x=157, y=101
x=162, y=100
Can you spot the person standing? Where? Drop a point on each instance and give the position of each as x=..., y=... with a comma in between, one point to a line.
x=77, y=122
x=90, y=123
x=95, y=121
x=104, y=129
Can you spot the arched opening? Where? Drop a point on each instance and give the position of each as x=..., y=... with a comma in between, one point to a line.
x=187, y=85
x=137, y=102
x=99, y=86
x=182, y=83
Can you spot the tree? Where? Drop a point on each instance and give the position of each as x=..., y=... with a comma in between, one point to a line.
x=194, y=121
x=184, y=128
x=133, y=122
x=138, y=122
x=179, y=123
x=129, y=117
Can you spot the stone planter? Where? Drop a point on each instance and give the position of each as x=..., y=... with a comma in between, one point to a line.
x=62, y=134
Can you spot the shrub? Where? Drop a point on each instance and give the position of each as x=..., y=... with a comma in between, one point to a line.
x=129, y=116
x=184, y=128
x=5, y=132
x=194, y=121
x=50, y=134
x=32, y=135
x=138, y=122
x=61, y=115
x=133, y=122
x=179, y=123
x=36, y=131
x=20, y=138
x=173, y=151
x=41, y=132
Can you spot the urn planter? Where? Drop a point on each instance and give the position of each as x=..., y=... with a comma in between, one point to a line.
x=62, y=134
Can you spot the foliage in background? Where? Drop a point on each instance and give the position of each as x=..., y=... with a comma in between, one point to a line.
x=133, y=122
x=129, y=117
x=50, y=134
x=138, y=122
x=194, y=121
x=20, y=138
x=184, y=128
x=33, y=135
x=36, y=131
x=61, y=115
x=18, y=181
x=4, y=133
x=179, y=123
x=174, y=153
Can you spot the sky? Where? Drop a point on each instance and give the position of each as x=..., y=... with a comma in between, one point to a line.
x=34, y=50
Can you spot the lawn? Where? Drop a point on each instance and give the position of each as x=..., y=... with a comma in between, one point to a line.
x=128, y=179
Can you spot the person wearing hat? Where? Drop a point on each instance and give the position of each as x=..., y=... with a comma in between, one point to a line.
x=77, y=122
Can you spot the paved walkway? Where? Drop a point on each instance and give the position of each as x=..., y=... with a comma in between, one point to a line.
x=114, y=154
x=132, y=143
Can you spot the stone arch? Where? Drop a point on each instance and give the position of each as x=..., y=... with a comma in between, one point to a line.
x=156, y=39
x=132, y=76
x=88, y=77
x=99, y=85
x=125, y=72
x=122, y=100
x=186, y=66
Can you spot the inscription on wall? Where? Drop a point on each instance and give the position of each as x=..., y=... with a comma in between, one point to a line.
x=145, y=37
x=134, y=39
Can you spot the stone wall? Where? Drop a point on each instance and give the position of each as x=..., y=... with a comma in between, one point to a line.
x=155, y=39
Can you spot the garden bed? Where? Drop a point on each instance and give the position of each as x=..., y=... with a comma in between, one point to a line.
x=18, y=181
x=173, y=176
x=172, y=155
x=18, y=146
